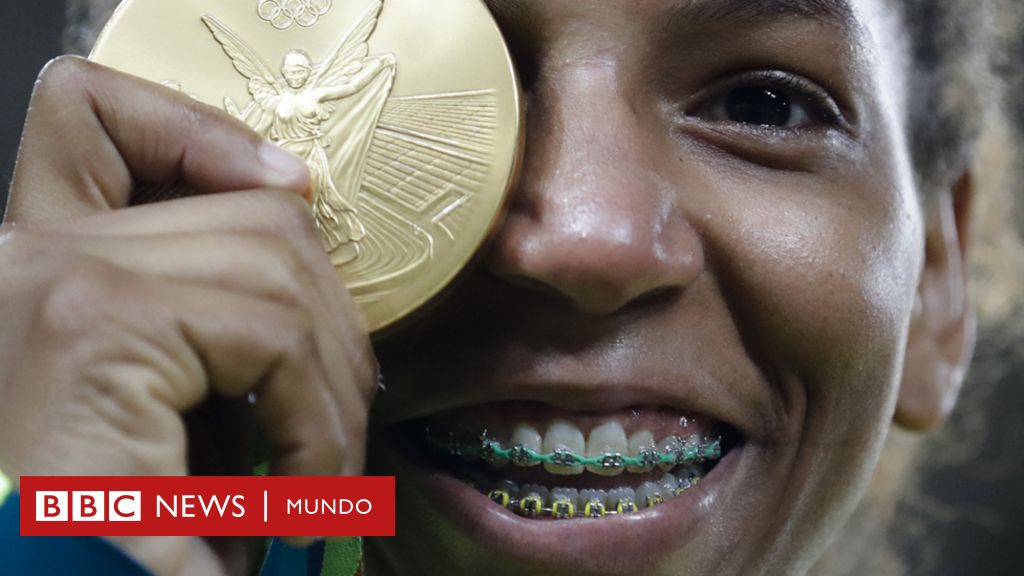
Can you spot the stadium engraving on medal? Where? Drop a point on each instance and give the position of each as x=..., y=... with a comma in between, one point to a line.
x=408, y=179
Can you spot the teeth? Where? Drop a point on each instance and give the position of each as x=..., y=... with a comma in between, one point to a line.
x=529, y=438
x=495, y=460
x=641, y=440
x=685, y=482
x=688, y=477
x=667, y=446
x=690, y=471
x=607, y=439
x=622, y=500
x=563, y=450
x=594, y=503
x=570, y=494
x=535, y=490
x=564, y=502
x=564, y=440
x=503, y=492
x=649, y=494
x=532, y=500
x=669, y=484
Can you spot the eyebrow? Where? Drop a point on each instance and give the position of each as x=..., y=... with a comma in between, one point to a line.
x=689, y=13
x=836, y=13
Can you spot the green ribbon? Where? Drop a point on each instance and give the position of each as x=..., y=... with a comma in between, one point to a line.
x=342, y=557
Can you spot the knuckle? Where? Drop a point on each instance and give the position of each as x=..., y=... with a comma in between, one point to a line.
x=20, y=249
x=291, y=216
x=96, y=315
x=127, y=386
x=304, y=235
x=300, y=339
x=62, y=77
x=286, y=216
x=128, y=399
x=80, y=299
x=285, y=269
x=64, y=68
x=194, y=116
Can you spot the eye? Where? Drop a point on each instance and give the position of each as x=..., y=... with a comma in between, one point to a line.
x=763, y=106
x=774, y=100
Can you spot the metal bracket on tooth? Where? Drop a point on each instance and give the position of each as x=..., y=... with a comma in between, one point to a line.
x=532, y=505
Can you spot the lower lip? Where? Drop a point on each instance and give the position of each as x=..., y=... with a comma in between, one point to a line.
x=649, y=537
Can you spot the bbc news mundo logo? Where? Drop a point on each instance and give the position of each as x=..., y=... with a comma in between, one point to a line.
x=317, y=506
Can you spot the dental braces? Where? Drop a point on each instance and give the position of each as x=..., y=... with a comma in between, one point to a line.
x=532, y=505
x=684, y=451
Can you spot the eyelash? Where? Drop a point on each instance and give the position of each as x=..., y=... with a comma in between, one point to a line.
x=823, y=109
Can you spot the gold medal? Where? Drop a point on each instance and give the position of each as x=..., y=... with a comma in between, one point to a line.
x=407, y=112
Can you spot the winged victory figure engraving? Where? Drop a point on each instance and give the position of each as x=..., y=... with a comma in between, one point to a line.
x=394, y=177
x=349, y=88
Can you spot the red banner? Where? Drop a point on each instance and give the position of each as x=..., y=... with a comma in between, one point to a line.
x=327, y=506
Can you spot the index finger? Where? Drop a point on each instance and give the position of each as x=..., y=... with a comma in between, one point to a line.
x=92, y=133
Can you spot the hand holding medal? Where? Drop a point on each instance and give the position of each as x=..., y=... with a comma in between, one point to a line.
x=408, y=116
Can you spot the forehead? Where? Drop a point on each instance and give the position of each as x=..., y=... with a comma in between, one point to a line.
x=845, y=16
x=863, y=41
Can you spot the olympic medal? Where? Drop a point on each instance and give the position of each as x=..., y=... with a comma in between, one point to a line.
x=407, y=112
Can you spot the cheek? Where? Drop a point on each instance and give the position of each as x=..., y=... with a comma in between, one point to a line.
x=824, y=274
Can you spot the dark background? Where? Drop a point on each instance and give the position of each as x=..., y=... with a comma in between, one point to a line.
x=29, y=36
x=968, y=519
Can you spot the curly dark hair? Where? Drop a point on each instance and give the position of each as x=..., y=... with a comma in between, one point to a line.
x=950, y=56
x=961, y=53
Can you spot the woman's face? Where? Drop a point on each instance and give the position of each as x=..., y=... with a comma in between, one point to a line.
x=716, y=221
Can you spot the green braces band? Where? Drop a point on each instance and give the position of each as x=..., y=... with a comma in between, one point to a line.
x=491, y=450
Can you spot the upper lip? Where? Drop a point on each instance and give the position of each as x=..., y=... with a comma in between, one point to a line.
x=599, y=396
x=503, y=344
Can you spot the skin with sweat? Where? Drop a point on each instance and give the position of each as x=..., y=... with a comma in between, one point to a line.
x=657, y=254
x=717, y=219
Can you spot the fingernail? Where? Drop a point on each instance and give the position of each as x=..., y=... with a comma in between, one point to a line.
x=283, y=169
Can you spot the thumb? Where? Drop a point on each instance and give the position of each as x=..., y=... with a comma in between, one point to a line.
x=92, y=133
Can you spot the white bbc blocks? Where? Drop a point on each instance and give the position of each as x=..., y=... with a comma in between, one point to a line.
x=89, y=506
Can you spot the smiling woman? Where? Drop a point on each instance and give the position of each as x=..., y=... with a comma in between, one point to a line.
x=734, y=269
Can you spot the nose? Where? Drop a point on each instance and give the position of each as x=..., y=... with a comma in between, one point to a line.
x=594, y=220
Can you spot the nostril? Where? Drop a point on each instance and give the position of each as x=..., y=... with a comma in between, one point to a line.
x=597, y=302
x=597, y=276
x=593, y=299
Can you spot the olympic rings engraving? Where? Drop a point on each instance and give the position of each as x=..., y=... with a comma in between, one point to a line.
x=283, y=14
